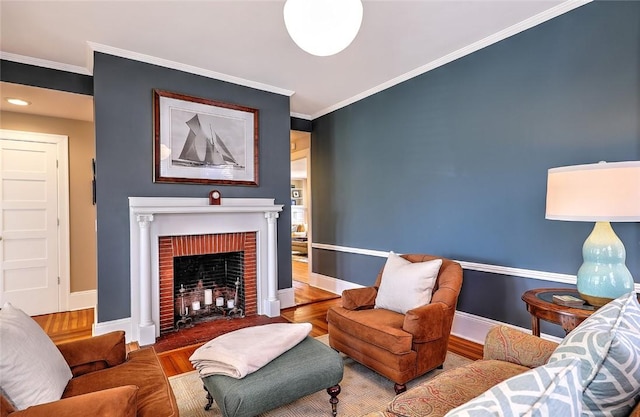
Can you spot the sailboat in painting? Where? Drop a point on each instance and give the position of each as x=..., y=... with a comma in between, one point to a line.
x=204, y=148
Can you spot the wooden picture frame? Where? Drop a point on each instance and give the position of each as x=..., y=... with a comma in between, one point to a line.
x=202, y=141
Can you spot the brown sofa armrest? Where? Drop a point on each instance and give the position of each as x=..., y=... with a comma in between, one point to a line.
x=113, y=402
x=95, y=353
x=359, y=298
x=511, y=345
x=6, y=407
x=425, y=322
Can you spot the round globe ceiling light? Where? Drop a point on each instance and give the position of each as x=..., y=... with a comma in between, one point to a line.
x=323, y=27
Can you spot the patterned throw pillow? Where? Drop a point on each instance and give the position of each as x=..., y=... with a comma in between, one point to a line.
x=608, y=346
x=550, y=390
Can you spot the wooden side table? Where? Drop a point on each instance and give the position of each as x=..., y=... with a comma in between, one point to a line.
x=541, y=306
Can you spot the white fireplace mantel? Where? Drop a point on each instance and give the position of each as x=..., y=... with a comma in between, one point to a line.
x=152, y=217
x=169, y=205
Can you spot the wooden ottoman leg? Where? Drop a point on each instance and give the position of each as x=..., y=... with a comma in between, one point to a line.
x=333, y=392
x=209, y=400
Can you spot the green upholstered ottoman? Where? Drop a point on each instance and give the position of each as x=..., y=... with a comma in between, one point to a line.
x=308, y=367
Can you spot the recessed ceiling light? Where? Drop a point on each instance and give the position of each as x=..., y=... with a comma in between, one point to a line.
x=18, y=102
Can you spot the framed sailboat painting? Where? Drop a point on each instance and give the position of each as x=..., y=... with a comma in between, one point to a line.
x=202, y=141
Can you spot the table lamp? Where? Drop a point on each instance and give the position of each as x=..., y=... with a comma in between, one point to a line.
x=600, y=193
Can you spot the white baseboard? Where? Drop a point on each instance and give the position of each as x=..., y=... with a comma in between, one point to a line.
x=330, y=284
x=114, y=325
x=83, y=299
x=475, y=328
x=287, y=298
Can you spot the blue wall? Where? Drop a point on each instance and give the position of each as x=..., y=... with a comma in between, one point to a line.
x=124, y=155
x=454, y=162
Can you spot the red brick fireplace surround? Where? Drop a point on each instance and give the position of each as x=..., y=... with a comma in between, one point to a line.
x=172, y=246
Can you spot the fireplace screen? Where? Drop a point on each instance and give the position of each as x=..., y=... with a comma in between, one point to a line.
x=208, y=287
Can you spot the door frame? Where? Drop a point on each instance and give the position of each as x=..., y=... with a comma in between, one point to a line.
x=62, y=155
x=306, y=153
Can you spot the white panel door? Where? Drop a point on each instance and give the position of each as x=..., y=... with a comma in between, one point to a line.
x=29, y=226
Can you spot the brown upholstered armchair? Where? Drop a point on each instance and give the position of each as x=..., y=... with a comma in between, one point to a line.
x=107, y=382
x=398, y=346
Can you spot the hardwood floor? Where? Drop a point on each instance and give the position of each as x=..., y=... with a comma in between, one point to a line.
x=300, y=271
x=314, y=313
x=304, y=293
x=67, y=326
x=312, y=305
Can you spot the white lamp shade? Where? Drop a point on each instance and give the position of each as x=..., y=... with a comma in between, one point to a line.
x=594, y=192
x=323, y=27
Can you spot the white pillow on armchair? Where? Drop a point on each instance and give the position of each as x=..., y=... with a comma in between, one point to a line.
x=406, y=285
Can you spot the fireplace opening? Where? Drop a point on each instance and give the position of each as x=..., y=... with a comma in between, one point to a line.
x=222, y=244
x=208, y=287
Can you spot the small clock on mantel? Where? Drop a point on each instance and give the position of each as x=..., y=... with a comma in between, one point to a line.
x=214, y=198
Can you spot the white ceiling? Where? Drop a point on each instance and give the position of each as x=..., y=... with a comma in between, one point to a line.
x=246, y=41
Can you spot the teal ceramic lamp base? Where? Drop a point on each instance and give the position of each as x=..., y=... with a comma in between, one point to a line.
x=603, y=275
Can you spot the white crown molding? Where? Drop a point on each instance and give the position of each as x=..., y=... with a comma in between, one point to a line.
x=123, y=53
x=558, y=10
x=540, y=18
x=8, y=56
x=301, y=116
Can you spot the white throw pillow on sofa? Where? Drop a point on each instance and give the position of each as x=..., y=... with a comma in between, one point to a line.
x=406, y=285
x=32, y=369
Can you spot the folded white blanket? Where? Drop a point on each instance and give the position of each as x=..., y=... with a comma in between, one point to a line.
x=241, y=352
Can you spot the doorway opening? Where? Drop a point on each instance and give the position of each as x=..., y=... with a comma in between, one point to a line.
x=60, y=113
x=301, y=215
x=300, y=200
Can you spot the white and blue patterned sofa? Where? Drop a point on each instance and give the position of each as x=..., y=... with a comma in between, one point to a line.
x=595, y=371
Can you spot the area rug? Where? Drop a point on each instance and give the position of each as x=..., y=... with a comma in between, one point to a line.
x=363, y=391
